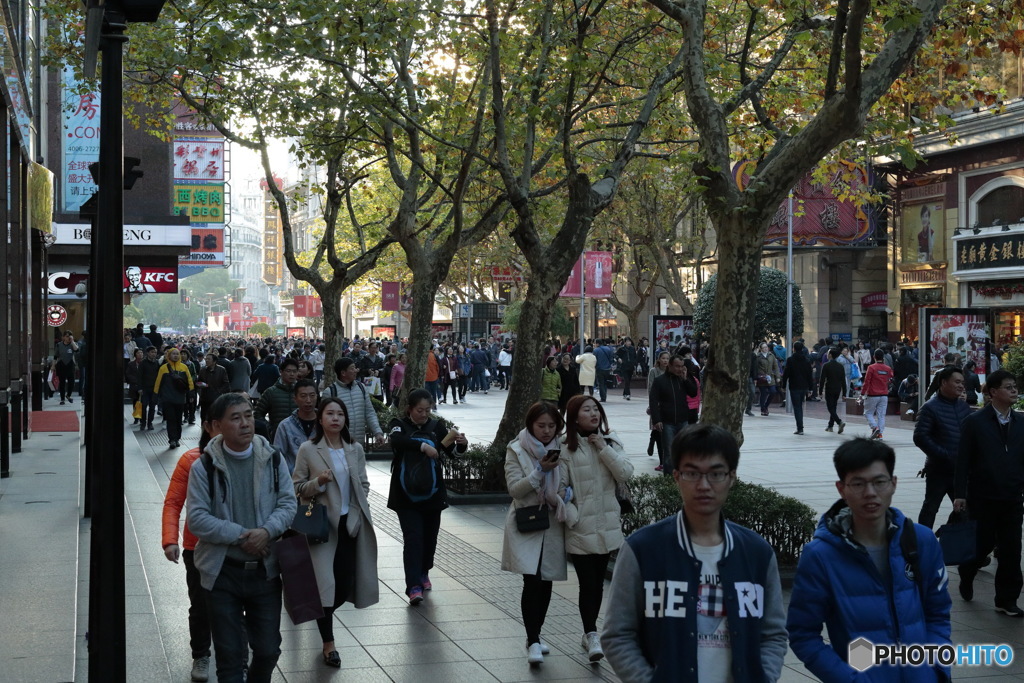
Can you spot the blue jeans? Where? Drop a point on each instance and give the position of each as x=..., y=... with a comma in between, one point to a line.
x=668, y=433
x=798, y=397
x=243, y=602
x=601, y=377
x=432, y=388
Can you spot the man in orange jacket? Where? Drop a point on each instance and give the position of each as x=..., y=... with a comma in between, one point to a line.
x=174, y=502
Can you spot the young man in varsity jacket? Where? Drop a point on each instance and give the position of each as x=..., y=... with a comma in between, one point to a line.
x=695, y=597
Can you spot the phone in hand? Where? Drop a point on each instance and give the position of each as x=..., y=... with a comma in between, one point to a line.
x=552, y=456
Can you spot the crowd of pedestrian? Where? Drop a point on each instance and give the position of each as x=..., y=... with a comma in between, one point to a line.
x=693, y=597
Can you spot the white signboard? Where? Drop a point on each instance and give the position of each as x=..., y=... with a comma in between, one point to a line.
x=137, y=235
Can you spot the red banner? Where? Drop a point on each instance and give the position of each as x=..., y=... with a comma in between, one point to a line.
x=390, y=292
x=876, y=301
x=307, y=307
x=145, y=280
x=236, y=315
x=598, y=275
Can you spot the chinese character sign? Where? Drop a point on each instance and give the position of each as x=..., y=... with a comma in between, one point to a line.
x=1002, y=250
x=197, y=159
x=80, y=142
x=207, y=248
x=203, y=204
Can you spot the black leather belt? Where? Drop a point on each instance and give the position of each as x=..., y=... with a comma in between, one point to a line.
x=242, y=564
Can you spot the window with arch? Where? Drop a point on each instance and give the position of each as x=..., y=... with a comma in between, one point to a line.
x=1002, y=206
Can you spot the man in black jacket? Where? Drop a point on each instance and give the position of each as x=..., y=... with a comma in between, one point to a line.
x=799, y=379
x=627, y=364
x=670, y=412
x=937, y=433
x=832, y=385
x=989, y=484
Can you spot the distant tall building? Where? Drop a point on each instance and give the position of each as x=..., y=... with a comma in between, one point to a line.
x=247, y=251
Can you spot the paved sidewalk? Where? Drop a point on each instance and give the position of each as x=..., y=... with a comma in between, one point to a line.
x=468, y=629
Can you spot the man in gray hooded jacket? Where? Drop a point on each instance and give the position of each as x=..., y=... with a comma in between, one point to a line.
x=240, y=498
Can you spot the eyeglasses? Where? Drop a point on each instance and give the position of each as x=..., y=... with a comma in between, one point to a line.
x=880, y=484
x=713, y=477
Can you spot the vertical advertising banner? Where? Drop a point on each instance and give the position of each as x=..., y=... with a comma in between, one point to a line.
x=80, y=142
x=923, y=233
x=598, y=275
x=965, y=331
x=390, y=292
x=673, y=330
x=299, y=306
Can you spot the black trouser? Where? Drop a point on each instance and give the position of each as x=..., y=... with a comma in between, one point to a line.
x=999, y=525
x=452, y=384
x=534, y=603
x=172, y=416
x=590, y=570
x=627, y=375
x=419, y=539
x=344, y=580
x=832, y=403
x=936, y=485
x=190, y=407
x=198, y=616
x=66, y=375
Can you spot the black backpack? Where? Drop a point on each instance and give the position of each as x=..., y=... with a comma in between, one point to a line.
x=417, y=474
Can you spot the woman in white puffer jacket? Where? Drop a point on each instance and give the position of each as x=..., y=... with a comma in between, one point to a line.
x=595, y=462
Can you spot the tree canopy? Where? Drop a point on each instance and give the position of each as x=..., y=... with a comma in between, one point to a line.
x=770, y=312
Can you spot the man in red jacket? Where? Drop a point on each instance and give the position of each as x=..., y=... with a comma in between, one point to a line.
x=876, y=393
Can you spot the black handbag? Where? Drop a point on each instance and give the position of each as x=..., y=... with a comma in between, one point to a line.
x=532, y=519
x=625, y=497
x=958, y=539
x=311, y=521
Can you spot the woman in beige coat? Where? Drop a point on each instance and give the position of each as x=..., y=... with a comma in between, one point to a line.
x=332, y=470
x=535, y=480
x=595, y=463
x=588, y=368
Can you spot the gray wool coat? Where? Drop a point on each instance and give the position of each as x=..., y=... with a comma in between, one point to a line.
x=311, y=460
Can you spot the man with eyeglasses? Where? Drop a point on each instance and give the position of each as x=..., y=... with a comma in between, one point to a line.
x=695, y=597
x=989, y=484
x=858, y=577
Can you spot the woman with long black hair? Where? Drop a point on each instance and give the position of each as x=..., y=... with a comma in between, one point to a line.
x=331, y=469
x=595, y=463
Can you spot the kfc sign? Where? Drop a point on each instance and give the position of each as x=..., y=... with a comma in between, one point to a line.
x=145, y=280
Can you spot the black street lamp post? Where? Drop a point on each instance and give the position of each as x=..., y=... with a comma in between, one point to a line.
x=107, y=636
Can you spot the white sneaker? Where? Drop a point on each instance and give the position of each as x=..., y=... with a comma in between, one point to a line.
x=534, y=655
x=201, y=669
x=592, y=644
x=544, y=648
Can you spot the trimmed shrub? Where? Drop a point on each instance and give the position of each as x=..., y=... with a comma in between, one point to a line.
x=481, y=469
x=785, y=522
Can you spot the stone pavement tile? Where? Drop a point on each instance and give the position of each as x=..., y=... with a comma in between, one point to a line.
x=495, y=628
x=395, y=634
x=555, y=668
x=441, y=612
x=369, y=675
x=417, y=653
x=449, y=672
x=374, y=616
x=311, y=659
x=306, y=636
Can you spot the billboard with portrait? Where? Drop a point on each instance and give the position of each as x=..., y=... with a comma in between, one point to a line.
x=674, y=330
x=922, y=237
x=966, y=331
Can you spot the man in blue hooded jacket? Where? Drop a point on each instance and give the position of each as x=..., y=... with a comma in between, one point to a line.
x=857, y=576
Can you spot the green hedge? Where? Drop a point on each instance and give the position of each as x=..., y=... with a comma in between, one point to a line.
x=783, y=521
x=481, y=469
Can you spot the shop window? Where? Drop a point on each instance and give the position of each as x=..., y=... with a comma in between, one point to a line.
x=1002, y=206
